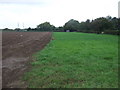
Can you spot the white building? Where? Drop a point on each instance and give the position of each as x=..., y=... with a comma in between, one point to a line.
x=67, y=30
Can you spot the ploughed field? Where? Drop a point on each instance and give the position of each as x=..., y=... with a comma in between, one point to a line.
x=17, y=50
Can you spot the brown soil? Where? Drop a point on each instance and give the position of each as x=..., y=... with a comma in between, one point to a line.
x=17, y=50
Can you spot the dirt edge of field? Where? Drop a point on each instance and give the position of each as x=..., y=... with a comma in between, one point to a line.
x=18, y=54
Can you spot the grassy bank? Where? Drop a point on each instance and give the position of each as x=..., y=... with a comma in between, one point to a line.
x=76, y=60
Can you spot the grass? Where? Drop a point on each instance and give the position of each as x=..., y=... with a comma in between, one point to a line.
x=76, y=60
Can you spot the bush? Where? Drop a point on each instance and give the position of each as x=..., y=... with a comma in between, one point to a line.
x=88, y=31
x=113, y=32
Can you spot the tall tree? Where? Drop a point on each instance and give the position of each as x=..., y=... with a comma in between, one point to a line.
x=100, y=24
x=46, y=26
x=72, y=25
x=85, y=25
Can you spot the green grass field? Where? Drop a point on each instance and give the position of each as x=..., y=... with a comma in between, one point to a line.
x=76, y=60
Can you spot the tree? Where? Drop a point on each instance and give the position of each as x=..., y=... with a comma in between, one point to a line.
x=118, y=24
x=29, y=29
x=100, y=24
x=17, y=29
x=72, y=25
x=59, y=29
x=114, y=23
x=85, y=26
x=46, y=26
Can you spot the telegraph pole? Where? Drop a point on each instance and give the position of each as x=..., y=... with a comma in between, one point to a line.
x=18, y=25
x=23, y=25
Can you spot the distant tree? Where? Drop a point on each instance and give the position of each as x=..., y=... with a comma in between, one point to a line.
x=59, y=29
x=114, y=23
x=5, y=29
x=17, y=29
x=103, y=24
x=100, y=24
x=29, y=29
x=109, y=18
x=35, y=29
x=46, y=26
x=118, y=24
x=72, y=25
x=85, y=25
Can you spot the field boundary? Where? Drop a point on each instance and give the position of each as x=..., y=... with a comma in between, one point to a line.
x=18, y=49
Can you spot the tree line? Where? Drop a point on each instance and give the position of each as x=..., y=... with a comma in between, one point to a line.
x=108, y=25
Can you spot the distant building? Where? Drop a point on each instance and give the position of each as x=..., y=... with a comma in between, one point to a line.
x=67, y=30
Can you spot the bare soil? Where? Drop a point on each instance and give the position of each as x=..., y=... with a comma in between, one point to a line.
x=17, y=51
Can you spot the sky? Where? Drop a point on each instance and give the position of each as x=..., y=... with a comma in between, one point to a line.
x=30, y=13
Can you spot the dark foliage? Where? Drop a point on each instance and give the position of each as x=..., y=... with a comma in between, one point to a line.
x=107, y=25
x=46, y=26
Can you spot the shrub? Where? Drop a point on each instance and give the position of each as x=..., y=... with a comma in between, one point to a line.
x=113, y=32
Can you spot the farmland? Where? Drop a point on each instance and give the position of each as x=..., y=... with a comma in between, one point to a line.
x=17, y=50
x=76, y=60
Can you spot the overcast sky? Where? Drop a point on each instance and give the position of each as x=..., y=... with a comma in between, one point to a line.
x=57, y=12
